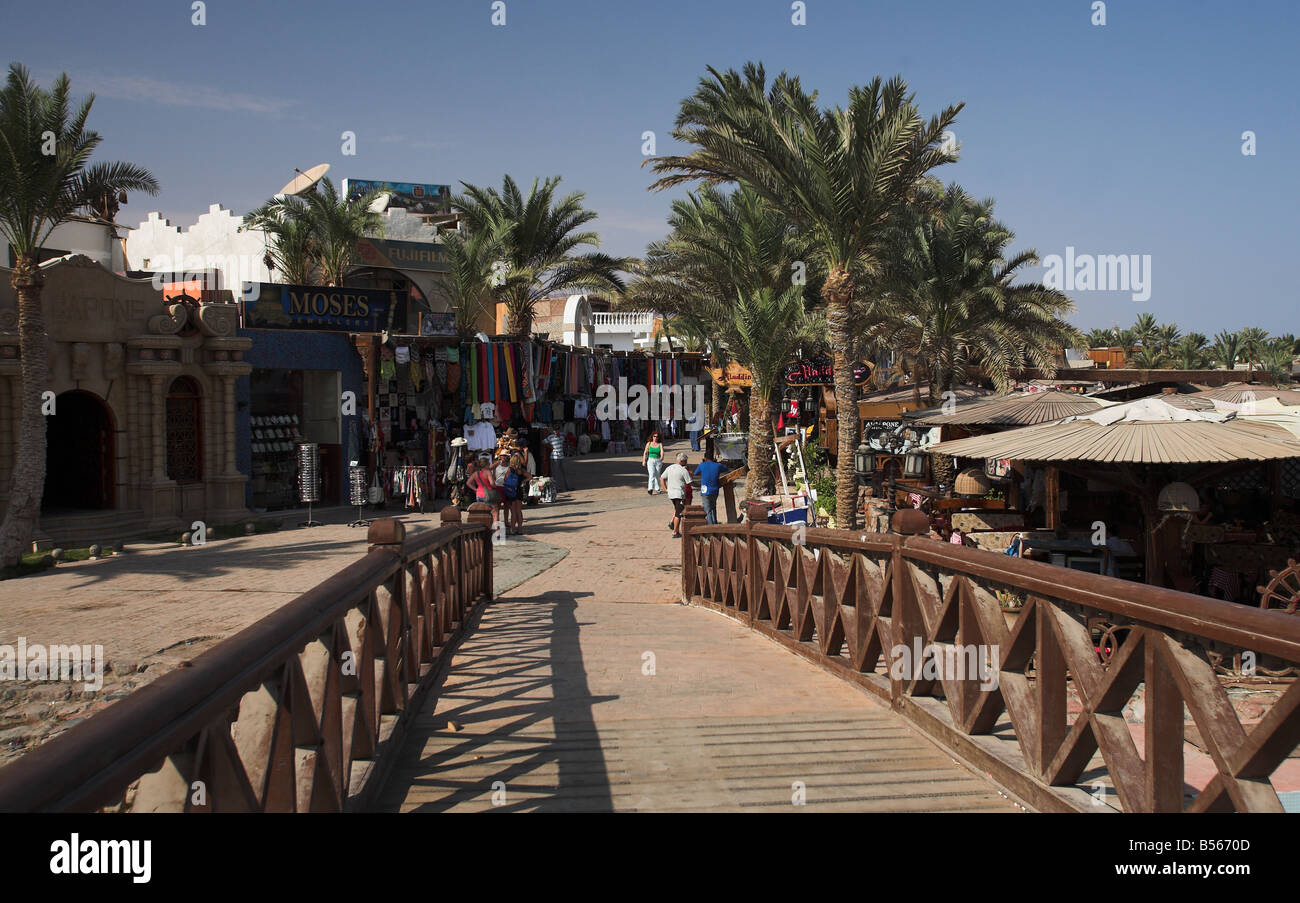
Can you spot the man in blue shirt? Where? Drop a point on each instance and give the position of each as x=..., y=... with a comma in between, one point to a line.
x=709, y=472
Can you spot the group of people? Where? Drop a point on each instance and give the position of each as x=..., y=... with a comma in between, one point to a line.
x=503, y=484
x=677, y=481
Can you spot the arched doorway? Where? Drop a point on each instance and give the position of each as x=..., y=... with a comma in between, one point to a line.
x=80, y=469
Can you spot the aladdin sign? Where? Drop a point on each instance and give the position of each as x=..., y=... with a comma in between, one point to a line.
x=401, y=255
x=324, y=308
x=732, y=375
x=820, y=371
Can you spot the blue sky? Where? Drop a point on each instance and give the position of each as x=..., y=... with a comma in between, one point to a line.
x=1115, y=139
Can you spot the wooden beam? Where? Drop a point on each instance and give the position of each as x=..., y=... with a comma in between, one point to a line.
x=1052, y=501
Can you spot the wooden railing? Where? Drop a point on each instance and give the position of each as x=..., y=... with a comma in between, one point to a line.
x=294, y=713
x=850, y=602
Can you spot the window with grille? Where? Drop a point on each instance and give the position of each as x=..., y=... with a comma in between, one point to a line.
x=184, y=449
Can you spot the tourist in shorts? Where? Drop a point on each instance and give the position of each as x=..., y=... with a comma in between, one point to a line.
x=674, y=480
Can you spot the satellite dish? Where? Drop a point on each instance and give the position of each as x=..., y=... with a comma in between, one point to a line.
x=305, y=181
x=380, y=204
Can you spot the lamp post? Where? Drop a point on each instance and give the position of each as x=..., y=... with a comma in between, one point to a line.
x=864, y=463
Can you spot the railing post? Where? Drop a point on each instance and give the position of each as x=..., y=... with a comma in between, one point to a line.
x=482, y=513
x=753, y=577
x=692, y=516
x=902, y=615
x=387, y=535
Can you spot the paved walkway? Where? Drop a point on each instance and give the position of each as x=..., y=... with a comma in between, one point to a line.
x=588, y=689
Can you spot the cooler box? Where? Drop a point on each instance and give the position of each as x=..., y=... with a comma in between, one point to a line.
x=789, y=516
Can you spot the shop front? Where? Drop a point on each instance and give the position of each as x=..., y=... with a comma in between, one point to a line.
x=306, y=386
x=140, y=423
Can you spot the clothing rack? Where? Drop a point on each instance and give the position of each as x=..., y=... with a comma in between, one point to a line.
x=409, y=482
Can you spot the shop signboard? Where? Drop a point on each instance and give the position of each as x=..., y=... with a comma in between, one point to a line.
x=371, y=311
x=732, y=375
x=416, y=197
x=424, y=256
x=820, y=371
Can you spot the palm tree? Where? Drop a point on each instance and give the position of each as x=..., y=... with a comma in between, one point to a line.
x=315, y=235
x=1277, y=362
x=1196, y=340
x=950, y=303
x=1146, y=358
x=1145, y=330
x=291, y=241
x=725, y=267
x=1188, y=354
x=1099, y=338
x=1167, y=336
x=838, y=173
x=1125, y=338
x=471, y=280
x=1253, y=342
x=1226, y=350
x=1288, y=341
x=38, y=193
x=539, y=244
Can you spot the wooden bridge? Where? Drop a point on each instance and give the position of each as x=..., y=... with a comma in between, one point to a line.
x=399, y=684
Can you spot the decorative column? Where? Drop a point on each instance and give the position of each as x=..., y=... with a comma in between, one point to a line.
x=229, y=470
x=222, y=355
x=157, y=401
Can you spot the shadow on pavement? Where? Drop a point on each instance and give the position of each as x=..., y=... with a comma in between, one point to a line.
x=520, y=695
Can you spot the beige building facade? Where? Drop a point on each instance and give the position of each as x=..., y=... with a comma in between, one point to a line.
x=141, y=406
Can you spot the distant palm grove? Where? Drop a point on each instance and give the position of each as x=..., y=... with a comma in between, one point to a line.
x=1148, y=345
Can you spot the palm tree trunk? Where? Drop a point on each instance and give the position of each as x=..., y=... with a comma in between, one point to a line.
x=759, y=479
x=28, y=480
x=838, y=292
x=521, y=316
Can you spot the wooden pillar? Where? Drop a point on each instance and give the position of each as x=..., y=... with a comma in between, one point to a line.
x=1153, y=565
x=1052, y=500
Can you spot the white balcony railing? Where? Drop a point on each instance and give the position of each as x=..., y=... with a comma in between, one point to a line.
x=623, y=321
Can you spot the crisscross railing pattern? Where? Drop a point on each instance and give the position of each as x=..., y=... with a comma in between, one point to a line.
x=850, y=602
x=292, y=714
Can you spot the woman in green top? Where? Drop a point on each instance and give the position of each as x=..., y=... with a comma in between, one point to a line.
x=652, y=458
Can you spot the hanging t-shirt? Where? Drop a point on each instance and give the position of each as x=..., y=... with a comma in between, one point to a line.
x=403, y=354
x=488, y=410
x=580, y=409
x=480, y=436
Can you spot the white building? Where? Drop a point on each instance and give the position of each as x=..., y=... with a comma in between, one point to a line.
x=214, y=243
x=615, y=330
x=85, y=235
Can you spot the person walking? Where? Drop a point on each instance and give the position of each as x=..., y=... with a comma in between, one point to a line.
x=485, y=489
x=652, y=459
x=675, y=479
x=710, y=473
x=514, y=484
x=500, y=471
